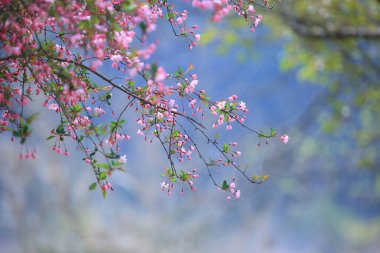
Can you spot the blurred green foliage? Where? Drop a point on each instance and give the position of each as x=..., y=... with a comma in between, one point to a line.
x=334, y=43
x=334, y=163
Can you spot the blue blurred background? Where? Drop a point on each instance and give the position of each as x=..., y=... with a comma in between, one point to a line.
x=323, y=194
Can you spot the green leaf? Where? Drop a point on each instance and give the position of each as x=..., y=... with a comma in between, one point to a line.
x=102, y=175
x=77, y=108
x=226, y=148
x=255, y=177
x=108, y=96
x=153, y=70
x=116, y=164
x=175, y=133
x=113, y=125
x=104, y=193
x=103, y=166
x=50, y=137
x=60, y=130
x=32, y=117
x=225, y=186
x=92, y=186
x=273, y=132
x=183, y=175
x=143, y=27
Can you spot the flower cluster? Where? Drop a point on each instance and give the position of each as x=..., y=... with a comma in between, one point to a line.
x=55, y=49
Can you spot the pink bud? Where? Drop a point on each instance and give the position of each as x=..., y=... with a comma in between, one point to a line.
x=237, y=194
x=284, y=138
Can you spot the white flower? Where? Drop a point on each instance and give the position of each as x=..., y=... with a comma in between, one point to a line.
x=116, y=58
x=221, y=105
x=242, y=105
x=164, y=186
x=123, y=159
x=160, y=115
x=54, y=107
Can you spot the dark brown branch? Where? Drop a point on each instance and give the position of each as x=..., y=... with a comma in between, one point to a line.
x=307, y=28
x=128, y=92
x=347, y=32
x=10, y=57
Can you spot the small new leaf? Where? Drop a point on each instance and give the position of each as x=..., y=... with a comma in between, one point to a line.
x=255, y=178
x=225, y=186
x=226, y=148
x=92, y=186
x=102, y=166
x=102, y=175
x=50, y=137
x=265, y=177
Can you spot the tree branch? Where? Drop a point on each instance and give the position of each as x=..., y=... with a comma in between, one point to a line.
x=304, y=28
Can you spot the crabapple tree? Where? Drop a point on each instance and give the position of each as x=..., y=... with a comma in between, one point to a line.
x=54, y=49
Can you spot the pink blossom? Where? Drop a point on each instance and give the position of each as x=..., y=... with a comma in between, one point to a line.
x=171, y=102
x=95, y=64
x=221, y=105
x=110, y=40
x=54, y=107
x=284, y=138
x=192, y=85
x=160, y=75
x=192, y=103
x=160, y=115
x=99, y=111
x=116, y=58
x=250, y=9
x=221, y=119
x=242, y=105
x=237, y=194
